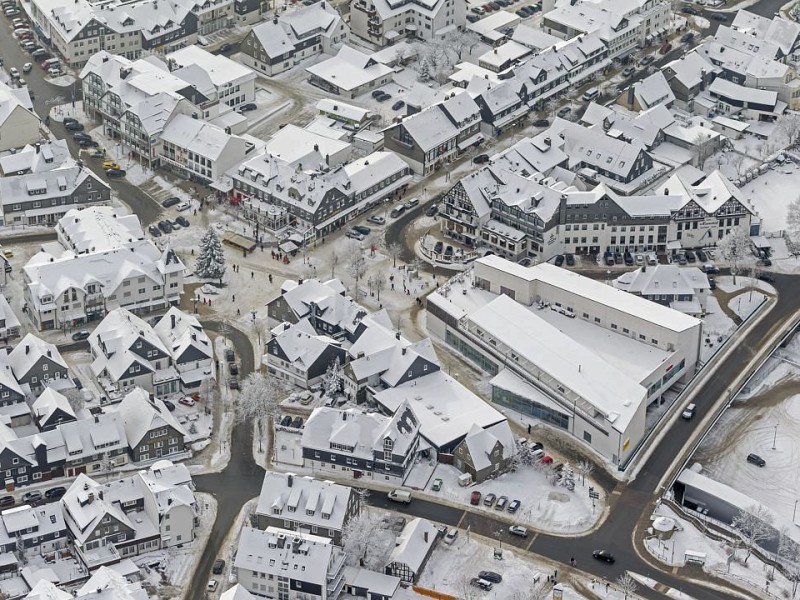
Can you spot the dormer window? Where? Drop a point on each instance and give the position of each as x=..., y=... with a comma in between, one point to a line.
x=276, y=510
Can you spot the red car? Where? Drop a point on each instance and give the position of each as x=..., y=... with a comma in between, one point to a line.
x=487, y=7
x=186, y=401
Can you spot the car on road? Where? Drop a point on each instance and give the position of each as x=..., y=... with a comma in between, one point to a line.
x=646, y=60
x=481, y=583
x=354, y=235
x=665, y=48
x=233, y=382
x=437, y=484
x=182, y=221
x=514, y=506
x=186, y=401
x=377, y=220
x=115, y=173
x=73, y=126
x=225, y=48
x=26, y=68
x=518, y=530
x=475, y=498
x=96, y=153
x=688, y=412
x=233, y=368
x=689, y=10
x=171, y=201
x=563, y=112
x=480, y=159
x=710, y=268
x=248, y=107
x=712, y=283
x=219, y=566
x=766, y=277
x=490, y=576
x=81, y=335
x=13, y=73
x=489, y=499
x=170, y=406
x=719, y=17
x=32, y=497
x=183, y=206
x=541, y=123
x=230, y=355
x=755, y=459
x=362, y=229
x=398, y=105
x=165, y=226
x=502, y=502
x=79, y=135
x=7, y=501
x=628, y=71
x=55, y=493
x=397, y=211
x=451, y=535
x=110, y=164
x=212, y=585
x=687, y=38
x=88, y=144
x=432, y=210
x=604, y=555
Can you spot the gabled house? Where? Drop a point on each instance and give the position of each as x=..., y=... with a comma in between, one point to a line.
x=11, y=393
x=299, y=356
x=349, y=73
x=650, y=92
x=37, y=363
x=503, y=106
x=151, y=430
x=302, y=566
x=306, y=505
x=189, y=346
x=9, y=323
x=34, y=530
x=688, y=76
x=51, y=409
x=412, y=550
x=19, y=124
x=36, y=158
x=681, y=288
x=485, y=453
x=364, y=444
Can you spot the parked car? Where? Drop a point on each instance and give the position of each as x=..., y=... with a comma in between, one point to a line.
x=297, y=422
x=212, y=585
x=286, y=421
x=518, y=530
x=766, y=277
x=541, y=123
x=687, y=38
x=690, y=256
x=354, y=235
x=489, y=499
x=604, y=555
x=502, y=502
x=398, y=105
x=171, y=201
x=475, y=498
x=88, y=144
x=712, y=283
x=233, y=368
x=666, y=47
x=225, y=48
x=230, y=355
x=183, y=206
x=451, y=535
x=628, y=71
x=682, y=260
x=688, y=412
x=96, y=153
x=26, y=68
x=377, y=93
x=55, y=493
x=7, y=501
x=480, y=159
x=710, y=268
x=233, y=383
x=165, y=226
x=248, y=107
x=688, y=10
x=411, y=203
x=79, y=135
x=570, y=260
x=559, y=260
x=646, y=60
x=478, y=10
x=701, y=256
x=432, y=210
x=397, y=211
x=437, y=484
x=182, y=221
x=490, y=576
x=110, y=164
x=116, y=173
x=170, y=406
x=618, y=258
x=563, y=112
x=481, y=583
x=186, y=401
x=32, y=497
x=13, y=73
x=719, y=17
x=74, y=126
x=514, y=506
x=81, y=335
x=377, y=220
x=219, y=566
x=362, y=229
x=755, y=459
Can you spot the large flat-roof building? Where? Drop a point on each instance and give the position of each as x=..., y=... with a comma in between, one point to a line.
x=569, y=350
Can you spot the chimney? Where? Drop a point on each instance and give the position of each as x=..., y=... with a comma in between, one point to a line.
x=397, y=335
x=425, y=536
x=27, y=349
x=666, y=191
x=172, y=321
x=286, y=326
x=38, y=147
x=316, y=147
x=289, y=480
x=547, y=141
x=97, y=418
x=404, y=351
x=49, y=355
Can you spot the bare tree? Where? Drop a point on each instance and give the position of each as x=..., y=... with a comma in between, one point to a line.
x=584, y=468
x=334, y=259
x=258, y=401
x=702, y=148
x=394, y=250
x=259, y=328
x=754, y=524
x=735, y=248
x=627, y=585
x=367, y=541
x=790, y=125
x=460, y=41
x=737, y=161
x=75, y=399
x=357, y=266
x=379, y=281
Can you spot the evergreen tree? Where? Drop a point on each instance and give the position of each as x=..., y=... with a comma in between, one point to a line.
x=424, y=70
x=211, y=261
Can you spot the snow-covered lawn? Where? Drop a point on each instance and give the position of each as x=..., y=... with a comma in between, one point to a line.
x=545, y=506
x=725, y=283
x=744, y=304
x=771, y=193
x=716, y=325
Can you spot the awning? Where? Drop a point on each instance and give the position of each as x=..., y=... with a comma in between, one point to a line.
x=288, y=247
x=224, y=185
x=475, y=139
x=411, y=27
x=391, y=35
x=759, y=241
x=674, y=245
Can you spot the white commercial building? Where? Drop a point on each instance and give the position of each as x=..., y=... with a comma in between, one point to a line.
x=383, y=22
x=572, y=351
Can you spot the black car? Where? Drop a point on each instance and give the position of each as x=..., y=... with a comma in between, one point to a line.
x=55, y=493
x=490, y=576
x=362, y=229
x=564, y=112
x=154, y=231
x=687, y=38
x=765, y=262
x=286, y=421
x=712, y=283
x=377, y=93
x=690, y=11
x=719, y=17
x=230, y=355
x=219, y=566
x=233, y=383
x=79, y=336
x=165, y=226
x=170, y=406
x=628, y=259
x=171, y=201
x=248, y=107
x=609, y=259
x=398, y=105
x=383, y=97
x=115, y=173
x=690, y=256
x=559, y=260
x=7, y=501
x=766, y=277
x=297, y=422
x=570, y=260
x=604, y=555
x=541, y=123
x=225, y=48
x=87, y=144
x=233, y=368
x=78, y=136
x=432, y=210
x=73, y=126
x=182, y=221
x=473, y=18
x=514, y=506
x=480, y=159
x=70, y=120
x=702, y=256
x=755, y=459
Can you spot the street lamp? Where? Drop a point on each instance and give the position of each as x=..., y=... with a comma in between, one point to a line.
x=794, y=514
x=194, y=299
x=775, y=437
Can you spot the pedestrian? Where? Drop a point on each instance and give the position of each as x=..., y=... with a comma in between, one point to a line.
x=529, y=428
x=606, y=587
x=233, y=298
x=270, y=277
x=238, y=312
x=252, y=275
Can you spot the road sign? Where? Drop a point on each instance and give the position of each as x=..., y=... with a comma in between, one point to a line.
x=594, y=495
x=8, y=268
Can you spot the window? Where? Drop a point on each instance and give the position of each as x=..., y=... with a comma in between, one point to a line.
x=587, y=436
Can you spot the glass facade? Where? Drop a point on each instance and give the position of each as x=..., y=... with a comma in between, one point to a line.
x=529, y=407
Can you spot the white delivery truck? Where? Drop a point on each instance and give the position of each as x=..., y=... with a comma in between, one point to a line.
x=400, y=495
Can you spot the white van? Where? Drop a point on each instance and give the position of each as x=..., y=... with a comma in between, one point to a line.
x=400, y=495
x=591, y=94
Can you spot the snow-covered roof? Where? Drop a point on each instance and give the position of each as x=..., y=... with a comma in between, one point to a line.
x=36, y=159
x=276, y=551
x=371, y=170
x=47, y=186
x=663, y=279
x=534, y=38
x=445, y=408
x=140, y=415
x=481, y=442
x=349, y=69
x=689, y=69
x=430, y=128
x=107, y=584
x=328, y=299
x=97, y=229
x=414, y=544
x=48, y=402
x=376, y=583
x=302, y=347
x=507, y=52
x=347, y=111
x=7, y=379
x=293, y=143
x=12, y=99
x=28, y=351
x=692, y=478
x=237, y=592
x=219, y=69
x=736, y=92
x=710, y=194
x=180, y=331
x=309, y=501
x=85, y=506
x=202, y=138
x=653, y=91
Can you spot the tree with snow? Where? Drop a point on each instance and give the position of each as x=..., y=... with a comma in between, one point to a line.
x=790, y=126
x=754, y=524
x=357, y=267
x=789, y=553
x=334, y=260
x=792, y=232
x=75, y=399
x=460, y=41
x=367, y=540
x=584, y=467
x=379, y=282
x=424, y=71
x=627, y=585
x=332, y=381
x=735, y=248
x=211, y=260
x=258, y=401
